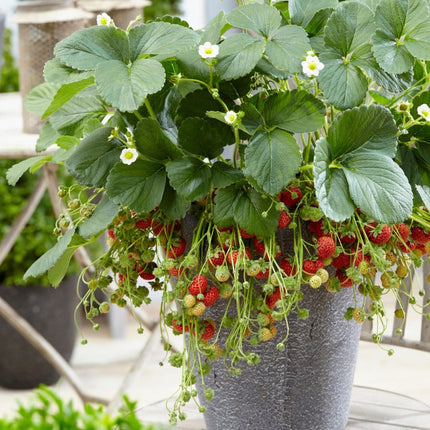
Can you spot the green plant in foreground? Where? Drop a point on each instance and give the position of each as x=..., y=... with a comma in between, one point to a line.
x=49, y=412
x=304, y=123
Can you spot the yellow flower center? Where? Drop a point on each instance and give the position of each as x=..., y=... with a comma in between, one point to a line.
x=312, y=66
x=129, y=155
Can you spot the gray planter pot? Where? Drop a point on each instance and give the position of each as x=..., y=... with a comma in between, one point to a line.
x=305, y=387
x=50, y=312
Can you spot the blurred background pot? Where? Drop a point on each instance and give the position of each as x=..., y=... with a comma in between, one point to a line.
x=41, y=24
x=50, y=312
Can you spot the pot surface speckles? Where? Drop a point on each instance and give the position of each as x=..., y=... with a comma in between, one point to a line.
x=305, y=387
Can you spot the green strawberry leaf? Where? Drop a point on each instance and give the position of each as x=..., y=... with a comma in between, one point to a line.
x=295, y=111
x=302, y=11
x=204, y=137
x=104, y=213
x=287, y=48
x=190, y=177
x=347, y=33
x=403, y=34
x=65, y=93
x=344, y=84
x=160, y=39
x=378, y=186
x=140, y=186
x=224, y=204
x=47, y=135
x=259, y=18
x=173, y=205
x=272, y=159
x=85, y=49
x=39, y=98
x=349, y=27
x=125, y=86
x=17, y=170
x=56, y=72
x=50, y=257
x=424, y=192
x=224, y=175
x=94, y=158
x=367, y=127
x=81, y=107
x=255, y=214
x=152, y=143
x=330, y=185
x=238, y=55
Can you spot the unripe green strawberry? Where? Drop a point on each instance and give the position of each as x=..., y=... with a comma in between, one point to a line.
x=222, y=273
x=253, y=269
x=364, y=267
x=399, y=313
x=358, y=315
x=323, y=274
x=189, y=301
x=315, y=281
x=266, y=334
x=199, y=309
x=225, y=290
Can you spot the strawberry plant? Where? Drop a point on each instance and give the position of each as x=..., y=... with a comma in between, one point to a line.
x=304, y=126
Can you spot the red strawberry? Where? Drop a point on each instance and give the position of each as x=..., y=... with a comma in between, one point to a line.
x=402, y=230
x=406, y=248
x=178, y=248
x=217, y=259
x=273, y=298
x=419, y=235
x=342, y=260
x=261, y=249
x=284, y=220
x=262, y=274
x=111, y=233
x=245, y=234
x=209, y=331
x=198, y=285
x=317, y=228
x=233, y=256
x=359, y=257
x=179, y=327
x=146, y=272
x=345, y=282
x=286, y=266
x=378, y=234
x=211, y=296
x=309, y=267
x=143, y=224
x=326, y=247
x=176, y=271
x=348, y=238
x=230, y=228
x=291, y=196
x=319, y=264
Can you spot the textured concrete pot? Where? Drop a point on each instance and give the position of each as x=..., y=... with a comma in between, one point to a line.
x=307, y=386
x=50, y=312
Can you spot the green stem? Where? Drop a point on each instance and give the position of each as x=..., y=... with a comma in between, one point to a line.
x=138, y=115
x=150, y=110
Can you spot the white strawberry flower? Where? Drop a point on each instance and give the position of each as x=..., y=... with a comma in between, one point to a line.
x=128, y=155
x=312, y=65
x=424, y=111
x=104, y=19
x=207, y=50
x=230, y=117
